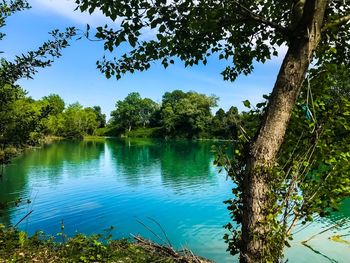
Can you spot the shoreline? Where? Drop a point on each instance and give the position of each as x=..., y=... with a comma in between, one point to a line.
x=16, y=246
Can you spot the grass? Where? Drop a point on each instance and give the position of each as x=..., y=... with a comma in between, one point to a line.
x=94, y=138
x=156, y=132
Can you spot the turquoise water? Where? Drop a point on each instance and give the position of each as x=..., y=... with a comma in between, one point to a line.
x=92, y=185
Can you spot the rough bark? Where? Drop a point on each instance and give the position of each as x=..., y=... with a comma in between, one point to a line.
x=265, y=146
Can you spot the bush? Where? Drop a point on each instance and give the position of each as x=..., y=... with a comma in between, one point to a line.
x=16, y=246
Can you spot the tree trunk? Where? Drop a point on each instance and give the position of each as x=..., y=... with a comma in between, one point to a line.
x=265, y=146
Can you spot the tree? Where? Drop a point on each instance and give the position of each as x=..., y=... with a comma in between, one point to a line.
x=186, y=114
x=8, y=96
x=172, y=98
x=77, y=121
x=225, y=125
x=20, y=117
x=52, y=107
x=26, y=65
x=148, y=109
x=133, y=112
x=100, y=117
x=241, y=32
x=53, y=104
x=311, y=174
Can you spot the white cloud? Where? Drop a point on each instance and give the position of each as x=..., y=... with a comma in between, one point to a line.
x=65, y=8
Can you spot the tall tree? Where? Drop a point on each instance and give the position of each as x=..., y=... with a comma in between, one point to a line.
x=127, y=112
x=241, y=32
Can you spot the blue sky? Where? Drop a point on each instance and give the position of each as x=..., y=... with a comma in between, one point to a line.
x=75, y=78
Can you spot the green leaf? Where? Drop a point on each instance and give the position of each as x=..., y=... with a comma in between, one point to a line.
x=246, y=103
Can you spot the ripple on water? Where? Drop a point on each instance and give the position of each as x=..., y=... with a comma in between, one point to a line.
x=92, y=186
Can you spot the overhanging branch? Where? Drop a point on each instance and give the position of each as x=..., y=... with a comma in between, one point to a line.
x=258, y=18
x=338, y=22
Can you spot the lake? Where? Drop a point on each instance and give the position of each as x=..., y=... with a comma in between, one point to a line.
x=129, y=183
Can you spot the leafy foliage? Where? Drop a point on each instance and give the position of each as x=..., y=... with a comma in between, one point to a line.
x=237, y=31
x=225, y=125
x=75, y=122
x=100, y=117
x=26, y=65
x=19, y=117
x=311, y=176
x=19, y=247
x=7, y=8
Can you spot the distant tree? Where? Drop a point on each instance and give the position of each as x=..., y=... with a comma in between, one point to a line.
x=186, y=114
x=9, y=94
x=25, y=128
x=172, y=98
x=54, y=125
x=217, y=125
x=231, y=118
x=77, y=121
x=90, y=122
x=148, y=110
x=53, y=104
x=133, y=112
x=225, y=124
x=100, y=117
x=127, y=112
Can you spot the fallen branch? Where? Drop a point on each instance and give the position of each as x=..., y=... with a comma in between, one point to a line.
x=184, y=256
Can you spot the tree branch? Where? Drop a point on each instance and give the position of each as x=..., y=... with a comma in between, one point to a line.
x=338, y=22
x=258, y=18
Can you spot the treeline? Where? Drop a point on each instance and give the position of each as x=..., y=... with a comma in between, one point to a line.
x=179, y=115
x=25, y=121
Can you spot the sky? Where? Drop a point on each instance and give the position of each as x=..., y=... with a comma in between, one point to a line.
x=75, y=78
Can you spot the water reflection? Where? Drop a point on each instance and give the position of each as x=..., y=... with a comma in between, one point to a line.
x=133, y=159
x=46, y=164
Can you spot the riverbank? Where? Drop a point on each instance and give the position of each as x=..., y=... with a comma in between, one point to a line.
x=16, y=246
